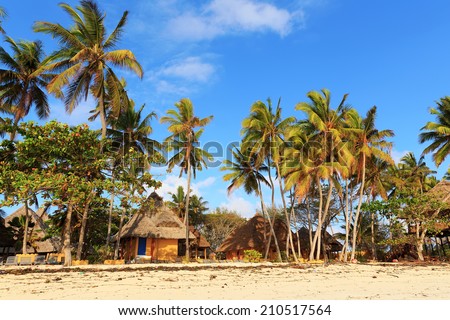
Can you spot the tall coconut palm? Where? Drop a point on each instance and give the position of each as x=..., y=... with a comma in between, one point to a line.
x=247, y=172
x=438, y=133
x=86, y=58
x=264, y=133
x=184, y=139
x=368, y=142
x=22, y=82
x=328, y=154
x=413, y=173
x=132, y=130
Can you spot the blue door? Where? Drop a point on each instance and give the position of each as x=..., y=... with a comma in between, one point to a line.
x=142, y=245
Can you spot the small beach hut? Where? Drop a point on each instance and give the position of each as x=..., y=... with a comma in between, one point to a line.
x=201, y=246
x=155, y=232
x=36, y=233
x=254, y=235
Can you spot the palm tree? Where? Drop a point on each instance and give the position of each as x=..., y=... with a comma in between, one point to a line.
x=131, y=131
x=86, y=58
x=197, y=208
x=22, y=81
x=438, y=133
x=264, y=133
x=413, y=172
x=368, y=142
x=327, y=154
x=248, y=173
x=3, y=15
x=184, y=140
x=178, y=201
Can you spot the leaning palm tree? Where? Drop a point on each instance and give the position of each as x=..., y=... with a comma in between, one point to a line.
x=184, y=140
x=245, y=171
x=368, y=142
x=438, y=133
x=86, y=59
x=22, y=82
x=264, y=133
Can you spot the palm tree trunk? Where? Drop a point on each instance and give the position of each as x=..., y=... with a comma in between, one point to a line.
x=310, y=226
x=289, y=240
x=101, y=105
x=358, y=209
x=272, y=231
x=293, y=216
x=322, y=220
x=83, y=225
x=343, y=254
x=25, y=229
x=186, y=214
x=319, y=224
x=372, y=236
x=67, y=235
x=111, y=206
x=119, y=233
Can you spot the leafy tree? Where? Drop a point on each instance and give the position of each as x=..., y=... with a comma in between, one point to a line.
x=219, y=224
x=23, y=81
x=87, y=57
x=64, y=164
x=184, y=140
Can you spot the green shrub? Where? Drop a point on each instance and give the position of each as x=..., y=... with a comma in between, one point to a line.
x=252, y=256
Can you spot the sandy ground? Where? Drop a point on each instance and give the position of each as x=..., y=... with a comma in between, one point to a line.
x=227, y=281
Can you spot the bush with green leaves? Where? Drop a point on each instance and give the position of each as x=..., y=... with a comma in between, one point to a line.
x=252, y=256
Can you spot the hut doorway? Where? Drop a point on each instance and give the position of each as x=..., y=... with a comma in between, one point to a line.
x=142, y=246
x=181, y=247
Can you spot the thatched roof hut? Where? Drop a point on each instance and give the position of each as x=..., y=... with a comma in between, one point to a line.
x=441, y=192
x=155, y=220
x=38, y=219
x=253, y=235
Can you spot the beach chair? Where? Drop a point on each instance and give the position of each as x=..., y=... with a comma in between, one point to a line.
x=11, y=261
x=26, y=261
x=40, y=259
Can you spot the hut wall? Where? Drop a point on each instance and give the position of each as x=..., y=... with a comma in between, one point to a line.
x=165, y=249
x=129, y=248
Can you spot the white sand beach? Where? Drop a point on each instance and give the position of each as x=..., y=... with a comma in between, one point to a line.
x=234, y=281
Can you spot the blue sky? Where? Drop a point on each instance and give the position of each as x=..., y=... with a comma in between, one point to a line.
x=226, y=54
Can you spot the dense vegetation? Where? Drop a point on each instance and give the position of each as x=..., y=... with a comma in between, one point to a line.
x=332, y=165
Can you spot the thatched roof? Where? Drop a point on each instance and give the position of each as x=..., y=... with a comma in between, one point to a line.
x=154, y=220
x=251, y=235
x=200, y=240
x=441, y=191
x=38, y=218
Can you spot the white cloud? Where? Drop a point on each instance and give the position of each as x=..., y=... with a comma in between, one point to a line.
x=220, y=17
x=171, y=183
x=190, y=68
x=242, y=206
x=78, y=116
x=183, y=75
